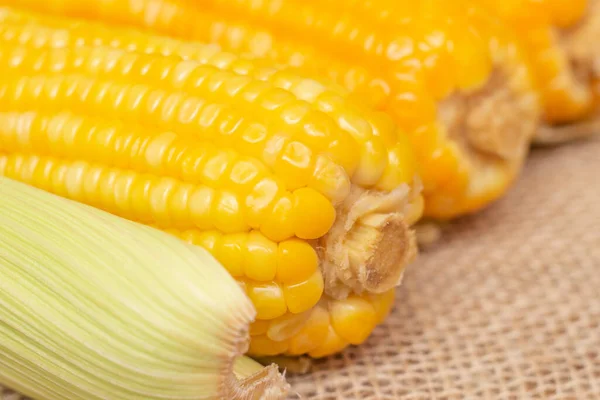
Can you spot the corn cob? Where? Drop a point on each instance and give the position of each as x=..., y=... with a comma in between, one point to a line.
x=565, y=92
x=556, y=37
x=438, y=80
x=579, y=36
x=93, y=307
x=149, y=137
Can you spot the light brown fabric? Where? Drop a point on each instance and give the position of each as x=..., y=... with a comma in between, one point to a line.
x=506, y=307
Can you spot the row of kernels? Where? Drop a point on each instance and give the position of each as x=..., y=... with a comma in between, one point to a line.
x=254, y=256
x=273, y=299
x=115, y=144
x=278, y=277
x=293, y=157
x=326, y=329
x=297, y=163
x=380, y=134
x=441, y=161
x=301, y=90
x=167, y=202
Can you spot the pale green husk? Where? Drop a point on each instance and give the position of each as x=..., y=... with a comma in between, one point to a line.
x=96, y=307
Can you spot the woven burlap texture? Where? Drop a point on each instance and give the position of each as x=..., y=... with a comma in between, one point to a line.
x=506, y=307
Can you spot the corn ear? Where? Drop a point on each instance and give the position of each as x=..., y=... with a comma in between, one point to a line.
x=93, y=307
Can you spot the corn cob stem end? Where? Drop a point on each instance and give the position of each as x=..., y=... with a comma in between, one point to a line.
x=494, y=121
x=369, y=244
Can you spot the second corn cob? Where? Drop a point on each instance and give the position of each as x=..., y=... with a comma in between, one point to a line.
x=583, y=48
x=559, y=38
x=304, y=196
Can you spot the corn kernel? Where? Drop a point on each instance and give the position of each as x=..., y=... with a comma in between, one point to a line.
x=230, y=250
x=331, y=344
x=260, y=257
x=297, y=261
x=353, y=319
x=287, y=326
x=300, y=297
x=312, y=334
x=310, y=205
x=263, y=346
x=268, y=299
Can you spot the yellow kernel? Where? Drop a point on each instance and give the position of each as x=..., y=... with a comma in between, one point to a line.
x=208, y=239
x=383, y=303
x=384, y=127
x=191, y=163
x=312, y=334
x=122, y=192
x=294, y=112
x=401, y=168
x=296, y=261
x=259, y=327
x=566, y=13
x=260, y=257
x=179, y=203
x=228, y=215
x=263, y=346
x=261, y=199
x=276, y=225
x=353, y=318
x=294, y=165
x=140, y=193
x=373, y=161
x=412, y=104
x=34, y=170
x=253, y=140
x=439, y=69
x=274, y=147
x=472, y=58
x=74, y=182
x=158, y=146
x=447, y=161
x=201, y=205
x=286, y=326
x=229, y=250
x=245, y=173
x=216, y=166
x=332, y=343
x=345, y=153
x=160, y=198
x=313, y=214
x=268, y=299
x=107, y=181
x=330, y=179
x=300, y=297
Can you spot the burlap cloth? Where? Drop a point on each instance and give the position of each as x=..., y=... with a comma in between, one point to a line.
x=507, y=307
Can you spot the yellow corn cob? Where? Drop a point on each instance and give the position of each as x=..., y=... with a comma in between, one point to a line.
x=565, y=94
x=457, y=85
x=579, y=36
x=305, y=196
